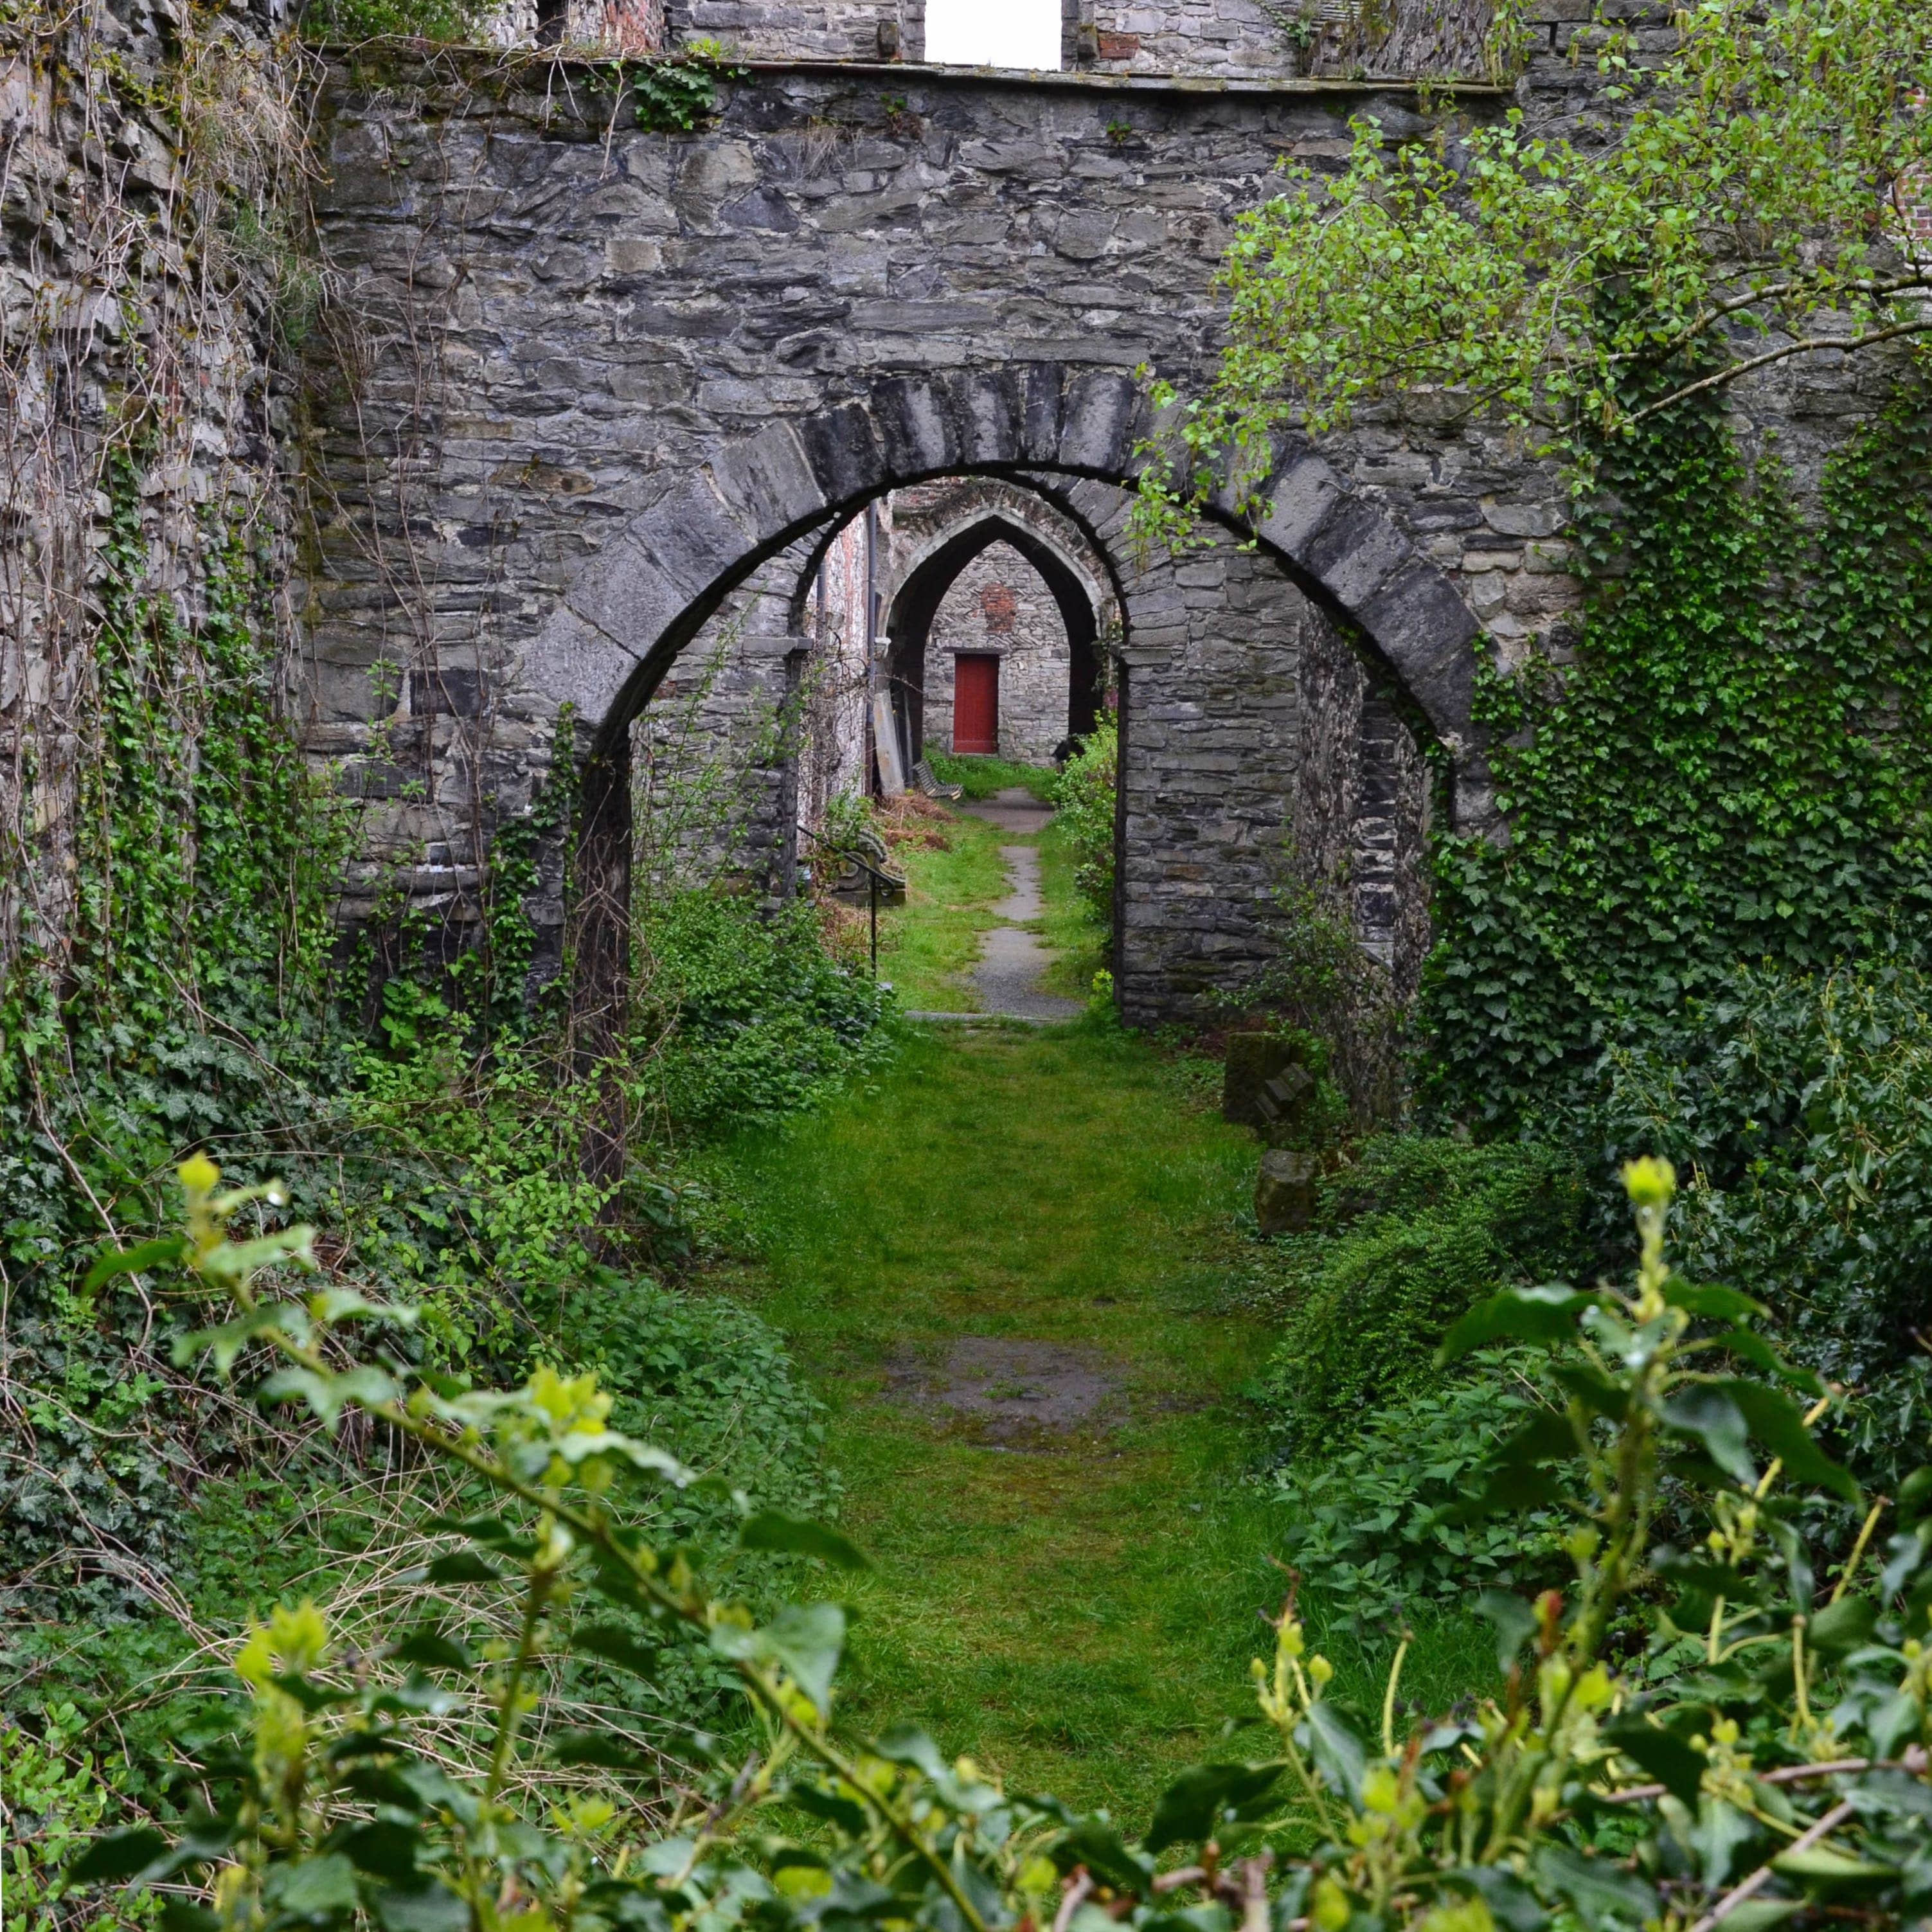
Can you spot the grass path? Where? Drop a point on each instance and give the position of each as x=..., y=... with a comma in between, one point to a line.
x=1075, y=1608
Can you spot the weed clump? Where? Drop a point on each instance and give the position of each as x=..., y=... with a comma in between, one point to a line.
x=1405, y=1241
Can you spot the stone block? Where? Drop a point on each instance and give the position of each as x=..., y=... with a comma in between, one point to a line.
x=1285, y=1191
x=1299, y=502
x=1253, y=1059
x=768, y=481
x=842, y=446
x=1356, y=552
x=1097, y=434
x=918, y=430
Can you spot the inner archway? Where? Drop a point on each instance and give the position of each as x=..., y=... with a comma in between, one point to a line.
x=964, y=593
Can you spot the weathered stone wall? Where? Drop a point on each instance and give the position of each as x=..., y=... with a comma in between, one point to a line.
x=611, y=373
x=998, y=605
x=561, y=320
x=138, y=399
x=1327, y=38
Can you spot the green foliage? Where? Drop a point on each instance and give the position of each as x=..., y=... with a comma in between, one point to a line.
x=1739, y=188
x=1321, y=983
x=1804, y=1105
x=675, y=97
x=204, y=857
x=55, y=1800
x=756, y=1018
x=1738, y=766
x=1405, y=1241
x=1711, y=1770
x=702, y=1374
x=1379, y=1516
x=1083, y=803
x=851, y=822
x=450, y=22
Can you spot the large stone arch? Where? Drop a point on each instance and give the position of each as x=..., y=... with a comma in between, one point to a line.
x=621, y=623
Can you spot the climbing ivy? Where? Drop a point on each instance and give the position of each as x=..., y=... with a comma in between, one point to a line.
x=1737, y=767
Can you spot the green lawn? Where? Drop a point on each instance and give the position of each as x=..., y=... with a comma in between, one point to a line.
x=1078, y=1612
x=928, y=946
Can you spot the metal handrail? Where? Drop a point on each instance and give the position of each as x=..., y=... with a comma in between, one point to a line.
x=875, y=876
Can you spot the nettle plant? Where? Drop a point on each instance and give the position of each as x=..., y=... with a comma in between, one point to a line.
x=1754, y=1752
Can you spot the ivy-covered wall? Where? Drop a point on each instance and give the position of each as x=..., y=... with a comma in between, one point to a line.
x=151, y=271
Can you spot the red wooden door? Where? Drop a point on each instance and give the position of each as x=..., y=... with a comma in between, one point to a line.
x=976, y=701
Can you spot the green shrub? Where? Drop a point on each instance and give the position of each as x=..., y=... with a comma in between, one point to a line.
x=444, y=20
x=1083, y=800
x=1378, y=1519
x=754, y=1017
x=1405, y=1240
x=1803, y=1106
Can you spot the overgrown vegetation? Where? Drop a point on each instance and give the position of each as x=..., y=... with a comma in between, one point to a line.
x=1709, y=1772
x=1406, y=1239
x=1083, y=798
x=1746, y=181
x=1735, y=769
x=1378, y=1518
x=980, y=776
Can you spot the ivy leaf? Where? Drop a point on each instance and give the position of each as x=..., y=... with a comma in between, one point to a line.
x=772, y=1529
x=137, y=1260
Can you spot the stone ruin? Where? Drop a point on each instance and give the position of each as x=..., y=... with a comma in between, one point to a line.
x=577, y=477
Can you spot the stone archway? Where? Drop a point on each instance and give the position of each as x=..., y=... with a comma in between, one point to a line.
x=621, y=625
x=924, y=583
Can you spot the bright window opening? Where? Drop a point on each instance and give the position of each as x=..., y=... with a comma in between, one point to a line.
x=993, y=33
